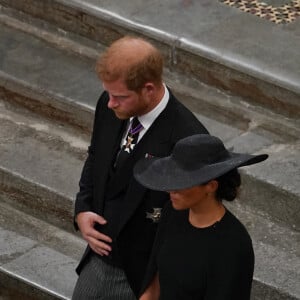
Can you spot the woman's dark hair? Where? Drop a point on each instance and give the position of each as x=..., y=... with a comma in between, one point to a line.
x=229, y=184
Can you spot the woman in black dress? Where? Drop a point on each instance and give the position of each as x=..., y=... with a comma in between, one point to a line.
x=202, y=251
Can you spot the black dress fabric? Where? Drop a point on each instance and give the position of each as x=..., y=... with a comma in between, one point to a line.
x=213, y=263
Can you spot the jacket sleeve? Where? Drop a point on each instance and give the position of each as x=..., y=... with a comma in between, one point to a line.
x=84, y=197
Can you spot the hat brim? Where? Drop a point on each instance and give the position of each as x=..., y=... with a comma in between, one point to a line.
x=165, y=174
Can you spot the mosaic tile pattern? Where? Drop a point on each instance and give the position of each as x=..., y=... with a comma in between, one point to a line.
x=283, y=14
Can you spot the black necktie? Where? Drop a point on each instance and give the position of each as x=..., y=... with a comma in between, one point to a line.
x=129, y=142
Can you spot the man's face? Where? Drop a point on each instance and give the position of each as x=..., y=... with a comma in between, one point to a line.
x=126, y=103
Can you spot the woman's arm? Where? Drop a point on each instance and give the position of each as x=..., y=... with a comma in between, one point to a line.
x=230, y=277
x=152, y=292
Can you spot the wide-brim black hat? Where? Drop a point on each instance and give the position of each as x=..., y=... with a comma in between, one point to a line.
x=195, y=160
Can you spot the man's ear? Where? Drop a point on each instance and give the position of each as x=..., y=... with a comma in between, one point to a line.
x=149, y=87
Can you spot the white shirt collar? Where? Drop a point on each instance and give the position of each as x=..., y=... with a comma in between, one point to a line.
x=147, y=119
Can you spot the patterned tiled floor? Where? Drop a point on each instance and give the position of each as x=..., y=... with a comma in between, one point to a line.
x=283, y=14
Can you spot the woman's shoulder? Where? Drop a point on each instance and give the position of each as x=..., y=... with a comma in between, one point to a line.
x=234, y=230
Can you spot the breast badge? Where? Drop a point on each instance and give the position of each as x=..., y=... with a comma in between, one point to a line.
x=155, y=215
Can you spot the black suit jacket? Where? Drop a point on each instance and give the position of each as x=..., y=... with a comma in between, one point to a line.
x=133, y=233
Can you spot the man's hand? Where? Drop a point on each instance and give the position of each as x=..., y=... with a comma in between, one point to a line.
x=96, y=240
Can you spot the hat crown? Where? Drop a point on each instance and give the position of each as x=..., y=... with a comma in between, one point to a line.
x=199, y=150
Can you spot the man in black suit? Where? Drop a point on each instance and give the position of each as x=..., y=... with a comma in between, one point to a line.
x=117, y=216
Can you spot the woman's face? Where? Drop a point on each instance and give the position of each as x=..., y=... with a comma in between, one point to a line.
x=188, y=198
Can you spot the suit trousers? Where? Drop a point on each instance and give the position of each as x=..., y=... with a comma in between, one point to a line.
x=101, y=281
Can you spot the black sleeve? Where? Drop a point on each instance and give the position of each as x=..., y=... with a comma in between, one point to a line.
x=230, y=278
x=84, y=197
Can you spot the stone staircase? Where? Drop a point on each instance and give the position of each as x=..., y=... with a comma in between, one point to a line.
x=48, y=92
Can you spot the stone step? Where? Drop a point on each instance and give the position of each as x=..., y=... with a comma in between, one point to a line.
x=34, y=74
x=55, y=86
x=213, y=42
x=37, y=260
x=40, y=164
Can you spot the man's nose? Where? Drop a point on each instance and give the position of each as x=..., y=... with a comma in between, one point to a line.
x=112, y=102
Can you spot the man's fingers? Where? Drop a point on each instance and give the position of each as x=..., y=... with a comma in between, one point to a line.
x=99, y=246
x=98, y=241
x=100, y=251
x=95, y=234
x=99, y=219
x=89, y=218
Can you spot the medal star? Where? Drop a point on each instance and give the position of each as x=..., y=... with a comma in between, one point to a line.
x=128, y=144
x=155, y=216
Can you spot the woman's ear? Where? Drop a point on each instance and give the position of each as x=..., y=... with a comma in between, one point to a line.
x=212, y=186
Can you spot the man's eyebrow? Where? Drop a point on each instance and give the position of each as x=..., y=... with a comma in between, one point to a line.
x=119, y=96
